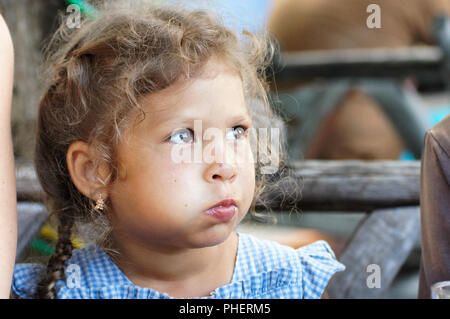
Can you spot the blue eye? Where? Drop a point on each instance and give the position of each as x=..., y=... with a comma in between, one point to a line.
x=182, y=136
x=186, y=135
x=238, y=130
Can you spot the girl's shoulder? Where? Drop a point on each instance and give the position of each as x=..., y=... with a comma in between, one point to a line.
x=272, y=270
x=89, y=268
x=25, y=280
x=263, y=269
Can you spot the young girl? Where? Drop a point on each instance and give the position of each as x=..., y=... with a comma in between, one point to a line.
x=132, y=87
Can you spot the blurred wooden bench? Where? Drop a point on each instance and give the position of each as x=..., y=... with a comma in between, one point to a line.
x=377, y=72
x=387, y=190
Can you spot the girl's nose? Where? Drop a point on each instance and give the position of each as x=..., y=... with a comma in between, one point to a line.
x=220, y=172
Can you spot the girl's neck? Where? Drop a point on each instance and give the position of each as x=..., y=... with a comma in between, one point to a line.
x=180, y=272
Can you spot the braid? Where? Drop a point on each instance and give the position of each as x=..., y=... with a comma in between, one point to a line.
x=56, y=263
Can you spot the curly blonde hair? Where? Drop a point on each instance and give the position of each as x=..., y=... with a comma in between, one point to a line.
x=96, y=75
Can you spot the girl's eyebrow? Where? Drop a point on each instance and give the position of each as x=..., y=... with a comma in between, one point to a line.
x=189, y=121
x=240, y=118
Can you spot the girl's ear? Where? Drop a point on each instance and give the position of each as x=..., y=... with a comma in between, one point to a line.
x=86, y=177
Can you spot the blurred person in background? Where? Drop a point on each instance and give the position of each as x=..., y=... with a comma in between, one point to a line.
x=435, y=208
x=358, y=128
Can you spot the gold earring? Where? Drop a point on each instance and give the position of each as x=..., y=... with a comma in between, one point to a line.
x=100, y=203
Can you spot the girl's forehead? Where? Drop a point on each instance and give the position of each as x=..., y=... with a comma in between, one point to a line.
x=202, y=96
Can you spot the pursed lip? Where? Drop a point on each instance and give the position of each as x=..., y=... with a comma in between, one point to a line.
x=225, y=203
x=223, y=211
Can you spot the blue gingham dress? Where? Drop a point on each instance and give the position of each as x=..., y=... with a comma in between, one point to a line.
x=264, y=270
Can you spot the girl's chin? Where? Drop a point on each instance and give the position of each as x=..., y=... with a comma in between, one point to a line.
x=213, y=237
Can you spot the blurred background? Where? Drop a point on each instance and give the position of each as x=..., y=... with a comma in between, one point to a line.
x=355, y=84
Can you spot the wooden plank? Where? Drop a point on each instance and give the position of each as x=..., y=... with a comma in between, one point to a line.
x=420, y=61
x=347, y=186
x=385, y=239
x=410, y=54
x=315, y=185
